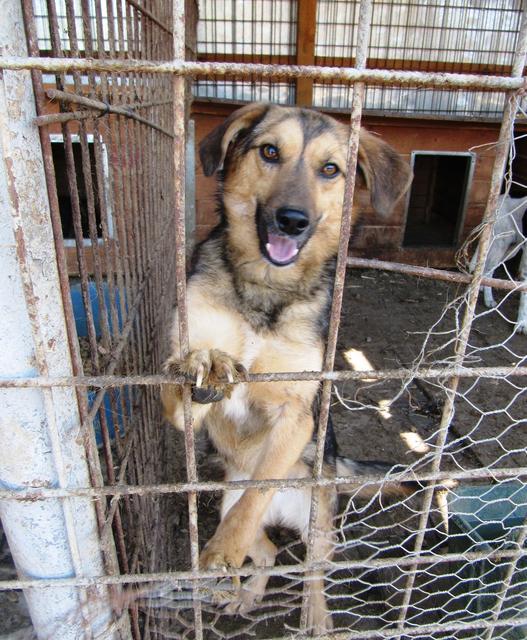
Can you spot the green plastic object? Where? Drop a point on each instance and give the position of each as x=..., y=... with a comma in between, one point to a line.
x=485, y=518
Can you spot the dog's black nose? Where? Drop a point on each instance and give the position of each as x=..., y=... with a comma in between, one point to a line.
x=292, y=221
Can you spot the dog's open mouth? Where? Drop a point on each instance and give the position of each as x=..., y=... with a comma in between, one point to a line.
x=276, y=247
x=281, y=249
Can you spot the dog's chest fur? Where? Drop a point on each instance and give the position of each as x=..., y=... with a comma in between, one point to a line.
x=266, y=329
x=236, y=408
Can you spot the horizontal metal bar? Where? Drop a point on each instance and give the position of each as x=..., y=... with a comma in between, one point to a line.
x=434, y=274
x=176, y=577
x=45, y=493
x=346, y=75
x=414, y=630
x=430, y=373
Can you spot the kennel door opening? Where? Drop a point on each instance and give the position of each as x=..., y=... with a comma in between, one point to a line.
x=437, y=199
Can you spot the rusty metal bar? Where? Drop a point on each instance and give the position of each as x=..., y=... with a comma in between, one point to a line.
x=179, y=114
x=176, y=577
x=441, y=477
x=105, y=107
x=52, y=118
x=363, y=30
x=419, y=373
x=434, y=274
x=505, y=138
x=345, y=75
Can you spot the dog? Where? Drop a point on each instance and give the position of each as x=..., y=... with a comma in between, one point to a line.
x=507, y=240
x=259, y=295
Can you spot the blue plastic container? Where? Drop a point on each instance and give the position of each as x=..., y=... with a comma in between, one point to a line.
x=79, y=311
x=114, y=399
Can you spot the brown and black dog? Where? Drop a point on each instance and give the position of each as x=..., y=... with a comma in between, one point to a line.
x=258, y=301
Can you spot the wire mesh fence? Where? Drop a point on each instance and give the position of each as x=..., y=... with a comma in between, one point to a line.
x=416, y=370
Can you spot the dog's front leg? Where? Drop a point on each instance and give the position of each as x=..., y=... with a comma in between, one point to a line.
x=284, y=445
x=212, y=363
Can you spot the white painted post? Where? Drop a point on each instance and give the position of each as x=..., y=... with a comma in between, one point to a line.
x=40, y=438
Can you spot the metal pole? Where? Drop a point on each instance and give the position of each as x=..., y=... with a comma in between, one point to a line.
x=42, y=445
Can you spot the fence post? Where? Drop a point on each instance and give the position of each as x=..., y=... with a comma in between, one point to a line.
x=42, y=445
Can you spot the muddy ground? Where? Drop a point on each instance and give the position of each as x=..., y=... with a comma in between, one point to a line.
x=385, y=321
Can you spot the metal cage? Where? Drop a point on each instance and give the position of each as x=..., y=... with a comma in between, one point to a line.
x=102, y=504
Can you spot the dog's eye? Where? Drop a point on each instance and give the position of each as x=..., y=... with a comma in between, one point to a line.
x=330, y=170
x=269, y=153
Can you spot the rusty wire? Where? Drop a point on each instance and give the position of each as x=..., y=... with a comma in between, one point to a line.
x=104, y=107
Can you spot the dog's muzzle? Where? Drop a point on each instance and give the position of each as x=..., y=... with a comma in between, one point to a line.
x=286, y=235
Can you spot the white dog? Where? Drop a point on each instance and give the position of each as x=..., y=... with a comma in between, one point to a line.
x=507, y=240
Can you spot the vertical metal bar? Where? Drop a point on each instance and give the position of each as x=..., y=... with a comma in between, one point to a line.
x=83, y=267
x=503, y=146
x=181, y=286
x=104, y=315
x=40, y=440
x=365, y=13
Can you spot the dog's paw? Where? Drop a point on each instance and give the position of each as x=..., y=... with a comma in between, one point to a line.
x=226, y=592
x=245, y=601
x=226, y=549
x=215, y=557
x=211, y=371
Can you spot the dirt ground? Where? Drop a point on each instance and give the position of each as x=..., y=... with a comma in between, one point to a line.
x=385, y=322
x=386, y=318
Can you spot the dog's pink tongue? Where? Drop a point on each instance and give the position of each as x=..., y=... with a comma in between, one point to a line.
x=281, y=248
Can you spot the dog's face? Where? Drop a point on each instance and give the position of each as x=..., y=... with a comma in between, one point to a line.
x=284, y=171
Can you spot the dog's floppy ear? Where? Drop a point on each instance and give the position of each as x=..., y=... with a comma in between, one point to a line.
x=214, y=146
x=386, y=174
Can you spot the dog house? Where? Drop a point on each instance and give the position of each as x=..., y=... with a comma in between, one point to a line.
x=104, y=508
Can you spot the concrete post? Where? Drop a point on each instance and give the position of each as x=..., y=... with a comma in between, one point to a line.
x=40, y=438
